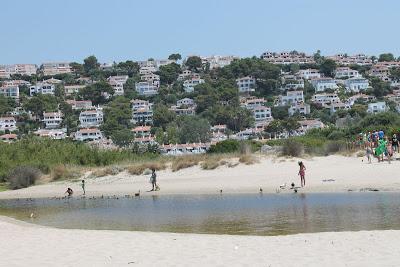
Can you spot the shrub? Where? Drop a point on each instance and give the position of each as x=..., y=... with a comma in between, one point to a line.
x=247, y=159
x=334, y=147
x=227, y=146
x=292, y=148
x=210, y=164
x=139, y=169
x=185, y=162
x=113, y=170
x=22, y=177
x=59, y=172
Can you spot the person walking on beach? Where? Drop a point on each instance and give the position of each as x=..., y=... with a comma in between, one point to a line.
x=83, y=187
x=153, y=179
x=302, y=173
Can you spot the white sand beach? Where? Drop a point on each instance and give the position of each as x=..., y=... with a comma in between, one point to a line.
x=24, y=244
x=324, y=174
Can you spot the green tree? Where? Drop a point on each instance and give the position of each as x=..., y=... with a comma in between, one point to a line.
x=130, y=89
x=90, y=64
x=290, y=125
x=194, y=63
x=117, y=116
x=274, y=128
x=129, y=67
x=162, y=116
x=386, y=57
x=169, y=73
x=76, y=68
x=280, y=112
x=41, y=103
x=6, y=104
x=193, y=129
x=328, y=67
x=175, y=57
x=379, y=87
x=98, y=92
x=123, y=137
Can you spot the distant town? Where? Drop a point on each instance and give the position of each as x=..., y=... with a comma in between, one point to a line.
x=184, y=105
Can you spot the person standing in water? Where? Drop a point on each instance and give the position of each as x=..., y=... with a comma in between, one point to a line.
x=302, y=173
x=153, y=179
x=83, y=187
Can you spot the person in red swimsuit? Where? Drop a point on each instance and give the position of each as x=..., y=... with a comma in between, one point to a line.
x=302, y=173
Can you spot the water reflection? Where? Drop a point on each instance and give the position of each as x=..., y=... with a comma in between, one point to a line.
x=221, y=214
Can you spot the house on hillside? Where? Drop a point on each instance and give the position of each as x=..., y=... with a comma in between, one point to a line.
x=10, y=91
x=322, y=84
x=88, y=134
x=188, y=85
x=42, y=88
x=291, y=97
x=8, y=124
x=246, y=84
x=356, y=84
x=91, y=118
x=52, y=120
x=300, y=108
x=377, y=107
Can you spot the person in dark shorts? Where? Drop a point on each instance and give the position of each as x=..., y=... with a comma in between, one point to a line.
x=153, y=179
x=69, y=191
x=395, y=143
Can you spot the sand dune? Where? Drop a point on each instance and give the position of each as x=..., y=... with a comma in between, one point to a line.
x=27, y=245
x=324, y=174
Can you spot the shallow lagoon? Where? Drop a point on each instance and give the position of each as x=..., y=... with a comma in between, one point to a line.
x=256, y=214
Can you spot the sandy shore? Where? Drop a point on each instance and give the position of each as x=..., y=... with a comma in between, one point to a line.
x=23, y=244
x=324, y=174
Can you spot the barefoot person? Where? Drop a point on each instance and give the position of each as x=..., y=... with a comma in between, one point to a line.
x=83, y=187
x=302, y=173
x=153, y=179
x=69, y=191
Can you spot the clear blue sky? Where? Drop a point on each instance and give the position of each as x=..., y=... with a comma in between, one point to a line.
x=116, y=30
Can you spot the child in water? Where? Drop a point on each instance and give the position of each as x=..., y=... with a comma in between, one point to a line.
x=302, y=173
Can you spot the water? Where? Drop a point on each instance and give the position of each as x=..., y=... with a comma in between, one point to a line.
x=272, y=214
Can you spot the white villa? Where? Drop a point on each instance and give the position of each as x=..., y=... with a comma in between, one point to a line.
x=262, y=113
x=300, y=108
x=80, y=104
x=117, y=83
x=325, y=99
x=142, y=115
x=346, y=72
x=56, y=134
x=356, y=84
x=322, y=84
x=290, y=98
x=188, y=85
x=246, y=84
x=377, y=107
x=54, y=68
x=72, y=89
x=91, y=118
x=10, y=91
x=309, y=74
x=52, y=120
x=251, y=103
x=8, y=124
x=142, y=131
x=89, y=134
x=306, y=125
x=146, y=88
x=42, y=88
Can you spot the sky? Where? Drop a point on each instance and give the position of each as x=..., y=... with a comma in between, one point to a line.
x=118, y=30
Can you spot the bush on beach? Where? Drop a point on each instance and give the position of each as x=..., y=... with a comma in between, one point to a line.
x=22, y=177
x=292, y=148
